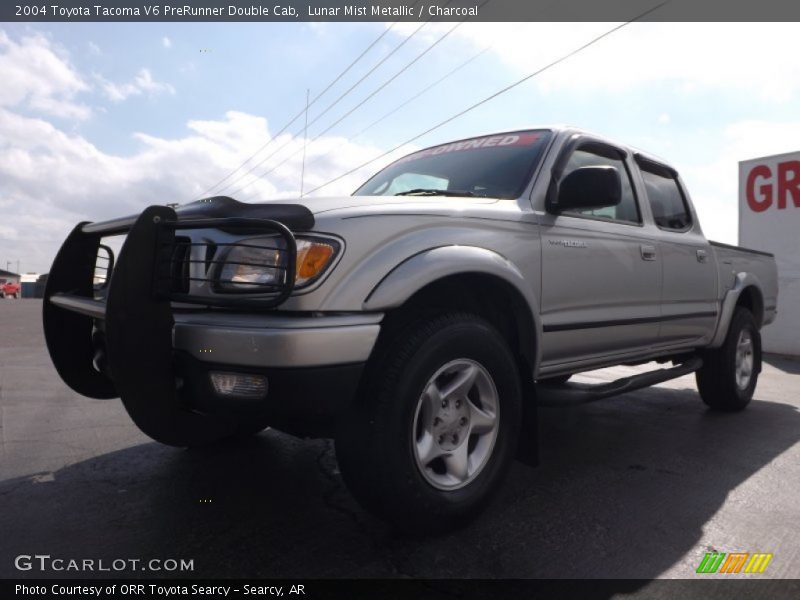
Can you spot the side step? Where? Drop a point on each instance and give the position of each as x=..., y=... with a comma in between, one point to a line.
x=572, y=394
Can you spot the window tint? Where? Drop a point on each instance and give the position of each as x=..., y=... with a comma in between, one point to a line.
x=411, y=181
x=497, y=166
x=627, y=210
x=666, y=201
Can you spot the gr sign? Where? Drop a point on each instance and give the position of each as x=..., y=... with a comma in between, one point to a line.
x=773, y=185
x=769, y=220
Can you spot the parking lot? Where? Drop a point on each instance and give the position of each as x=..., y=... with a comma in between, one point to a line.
x=639, y=486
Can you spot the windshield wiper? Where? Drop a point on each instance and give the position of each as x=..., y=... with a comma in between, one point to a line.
x=434, y=192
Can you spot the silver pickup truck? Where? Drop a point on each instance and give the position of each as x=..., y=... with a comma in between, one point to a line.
x=422, y=320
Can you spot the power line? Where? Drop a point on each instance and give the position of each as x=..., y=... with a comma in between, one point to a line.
x=321, y=114
x=405, y=103
x=333, y=82
x=305, y=143
x=492, y=96
x=354, y=108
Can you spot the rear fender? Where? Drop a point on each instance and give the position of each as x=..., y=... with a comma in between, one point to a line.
x=742, y=281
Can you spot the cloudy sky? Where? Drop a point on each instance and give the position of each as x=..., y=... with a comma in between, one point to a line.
x=98, y=120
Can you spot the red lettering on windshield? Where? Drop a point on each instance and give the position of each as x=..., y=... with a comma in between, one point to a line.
x=492, y=141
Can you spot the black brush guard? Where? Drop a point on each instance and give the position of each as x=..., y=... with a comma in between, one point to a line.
x=136, y=316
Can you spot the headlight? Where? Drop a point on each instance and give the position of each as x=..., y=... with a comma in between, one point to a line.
x=258, y=264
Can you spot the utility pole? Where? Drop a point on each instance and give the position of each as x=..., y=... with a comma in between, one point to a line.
x=305, y=141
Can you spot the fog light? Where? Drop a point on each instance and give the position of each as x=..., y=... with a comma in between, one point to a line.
x=237, y=385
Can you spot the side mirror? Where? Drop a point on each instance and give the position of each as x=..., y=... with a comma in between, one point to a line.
x=588, y=188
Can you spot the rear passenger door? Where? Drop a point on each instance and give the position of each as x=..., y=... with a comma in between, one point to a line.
x=600, y=270
x=689, y=290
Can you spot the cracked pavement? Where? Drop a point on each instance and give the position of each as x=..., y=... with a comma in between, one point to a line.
x=638, y=486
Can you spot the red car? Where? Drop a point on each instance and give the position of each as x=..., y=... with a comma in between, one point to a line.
x=10, y=289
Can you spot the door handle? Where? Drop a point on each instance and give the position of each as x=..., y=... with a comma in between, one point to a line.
x=702, y=256
x=648, y=252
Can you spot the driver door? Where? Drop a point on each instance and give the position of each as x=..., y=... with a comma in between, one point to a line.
x=601, y=274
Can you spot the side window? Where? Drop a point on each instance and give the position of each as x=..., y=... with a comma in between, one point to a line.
x=627, y=211
x=666, y=201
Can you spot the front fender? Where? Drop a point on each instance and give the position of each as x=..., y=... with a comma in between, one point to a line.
x=429, y=266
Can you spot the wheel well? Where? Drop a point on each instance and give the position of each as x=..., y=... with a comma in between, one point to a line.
x=488, y=296
x=751, y=299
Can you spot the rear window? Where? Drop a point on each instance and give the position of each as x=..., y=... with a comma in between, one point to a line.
x=667, y=202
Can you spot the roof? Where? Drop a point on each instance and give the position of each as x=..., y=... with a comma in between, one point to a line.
x=8, y=274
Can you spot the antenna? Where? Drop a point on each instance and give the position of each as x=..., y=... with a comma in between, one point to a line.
x=305, y=142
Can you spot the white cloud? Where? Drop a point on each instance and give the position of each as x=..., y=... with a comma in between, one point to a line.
x=714, y=186
x=94, y=48
x=84, y=183
x=664, y=119
x=142, y=83
x=757, y=58
x=38, y=75
x=166, y=42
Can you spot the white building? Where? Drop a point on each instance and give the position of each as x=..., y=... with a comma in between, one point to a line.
x=769, y=220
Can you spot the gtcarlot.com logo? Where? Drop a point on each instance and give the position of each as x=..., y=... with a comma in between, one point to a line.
x=734, y=562
x=45, y=562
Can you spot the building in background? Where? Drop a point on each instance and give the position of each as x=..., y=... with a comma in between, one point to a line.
x=769, y=220
x=28, y=282
x=8, y=276
x=40, y=285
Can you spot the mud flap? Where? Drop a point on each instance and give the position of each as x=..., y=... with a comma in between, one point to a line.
x=139, y=339
x=69, y=334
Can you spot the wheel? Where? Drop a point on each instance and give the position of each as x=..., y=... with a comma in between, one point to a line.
x=436, y=424
x=16, y=296
x=557, y=380
x=729, y=373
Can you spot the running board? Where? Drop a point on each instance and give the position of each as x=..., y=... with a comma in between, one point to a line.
x=572, y=394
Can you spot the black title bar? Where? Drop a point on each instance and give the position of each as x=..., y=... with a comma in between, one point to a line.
x=415, y=589
x=397, y=10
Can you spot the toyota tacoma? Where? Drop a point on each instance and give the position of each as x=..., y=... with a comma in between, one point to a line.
x=420, y=321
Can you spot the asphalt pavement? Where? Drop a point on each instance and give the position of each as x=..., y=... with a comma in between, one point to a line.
x=638, y=486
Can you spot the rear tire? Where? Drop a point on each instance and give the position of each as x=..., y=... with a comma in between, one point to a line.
x=728, y=377
x=436, y=424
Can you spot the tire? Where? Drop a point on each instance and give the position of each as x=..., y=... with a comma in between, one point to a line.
x=558, y=380
x=729, y=374
x=404, y=450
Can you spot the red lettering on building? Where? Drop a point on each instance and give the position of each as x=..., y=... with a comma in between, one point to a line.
x=789, y=182
x=764, y=201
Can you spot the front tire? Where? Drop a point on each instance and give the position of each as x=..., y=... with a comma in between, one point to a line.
x=436, y=424
x=728, y=377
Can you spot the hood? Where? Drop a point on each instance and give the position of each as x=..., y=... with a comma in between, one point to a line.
x=299, y=215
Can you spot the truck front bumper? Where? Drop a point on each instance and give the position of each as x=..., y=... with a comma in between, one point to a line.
x=311, y=365
x=133, y=341
x=274, y=340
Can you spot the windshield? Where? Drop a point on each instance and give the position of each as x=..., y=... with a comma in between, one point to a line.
x=496, y=166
